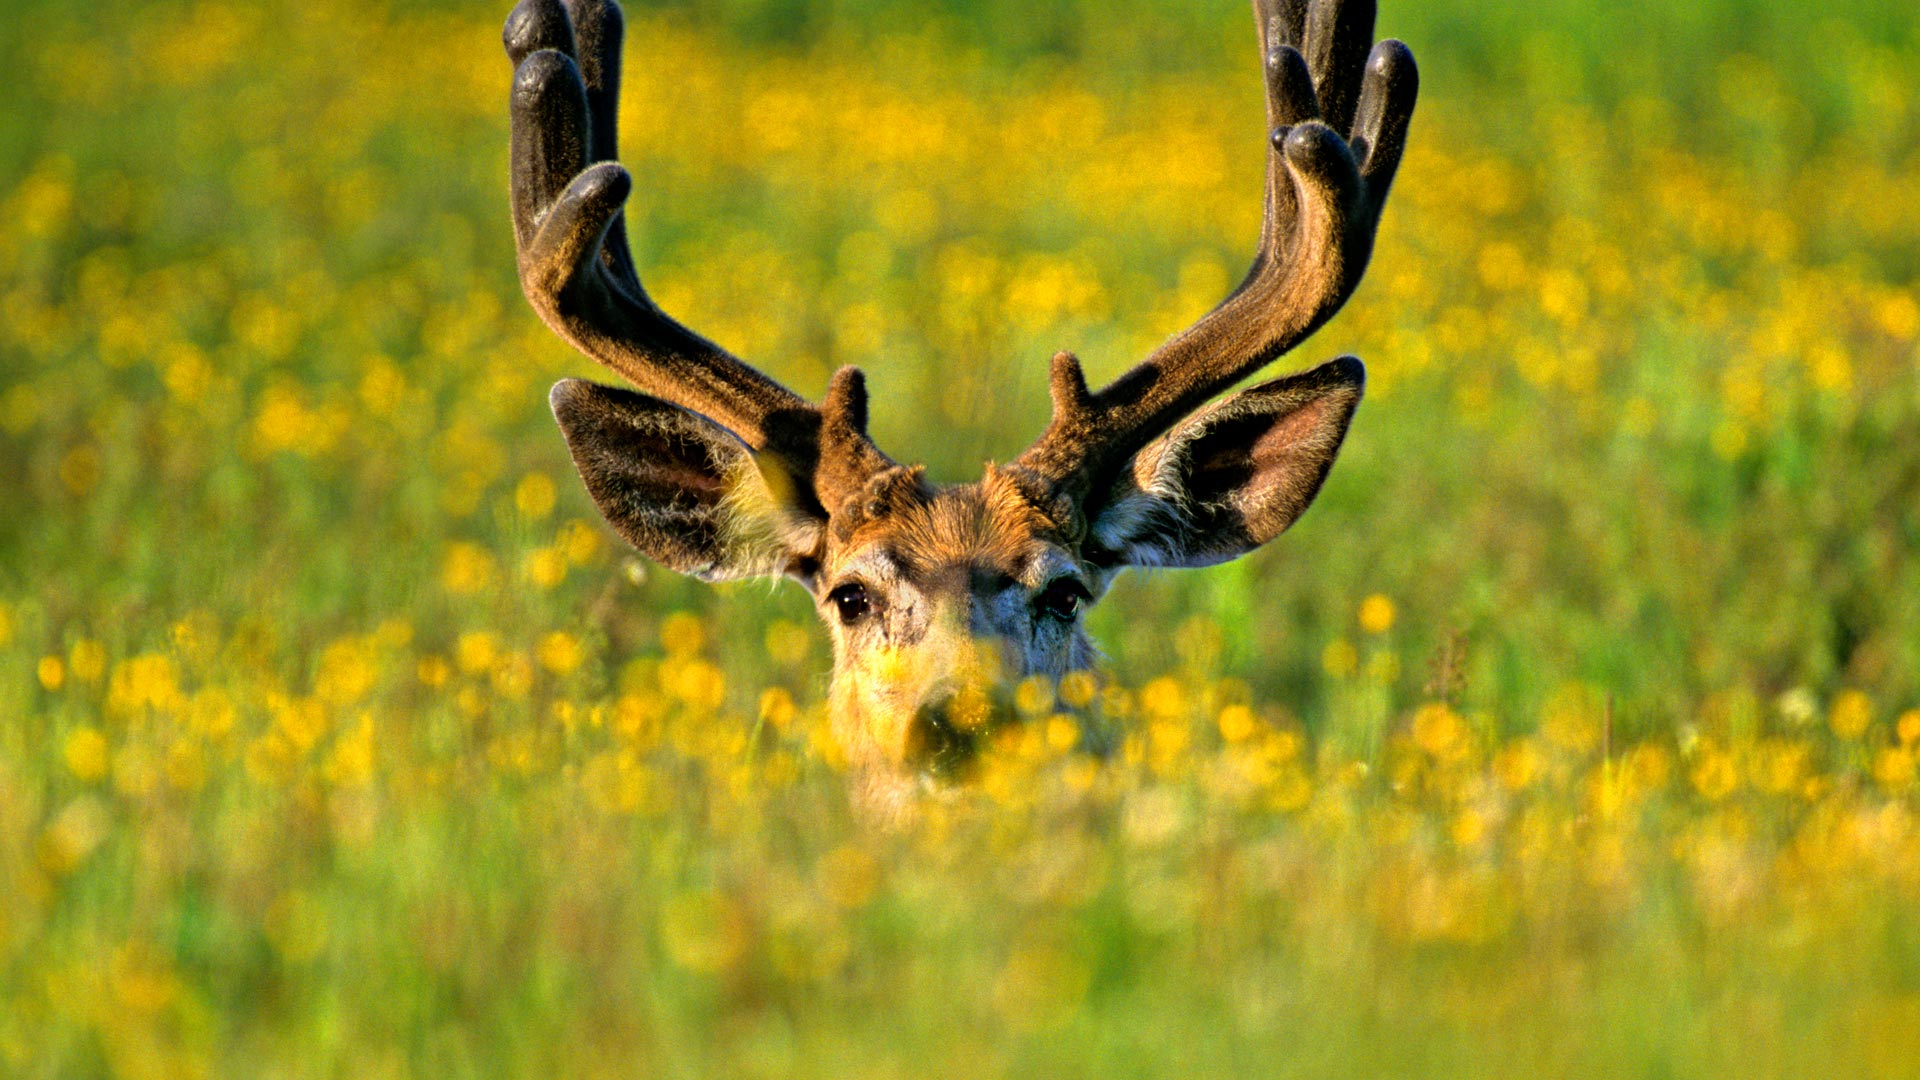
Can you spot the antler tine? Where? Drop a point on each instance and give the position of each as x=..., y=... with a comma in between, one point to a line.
x=1338, y=119
x=577, y=270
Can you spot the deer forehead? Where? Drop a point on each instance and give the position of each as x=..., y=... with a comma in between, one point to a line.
x=977, y=537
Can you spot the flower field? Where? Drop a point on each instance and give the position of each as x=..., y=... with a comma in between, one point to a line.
x=1573, y=733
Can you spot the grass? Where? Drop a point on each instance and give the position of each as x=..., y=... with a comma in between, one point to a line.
x=1572, y=733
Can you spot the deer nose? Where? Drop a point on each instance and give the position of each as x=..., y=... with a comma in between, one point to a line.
x=962, y=706
x=947, y=727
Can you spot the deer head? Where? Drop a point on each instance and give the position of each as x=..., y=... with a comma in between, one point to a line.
x=932, y=592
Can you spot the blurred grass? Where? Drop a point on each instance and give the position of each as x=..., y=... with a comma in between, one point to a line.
x=1572, y=733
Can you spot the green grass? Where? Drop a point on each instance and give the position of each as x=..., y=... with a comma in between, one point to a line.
x=338, y=738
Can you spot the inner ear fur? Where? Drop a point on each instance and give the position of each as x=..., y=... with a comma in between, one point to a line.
x=1233, y=476
x=681, y=489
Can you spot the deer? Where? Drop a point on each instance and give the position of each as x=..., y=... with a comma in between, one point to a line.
x=932, y=591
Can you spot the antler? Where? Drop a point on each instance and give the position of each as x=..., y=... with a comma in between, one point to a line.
x=578, y=271
x=1338, y=117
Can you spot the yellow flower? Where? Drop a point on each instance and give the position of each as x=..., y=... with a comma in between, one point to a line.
x=1439, y=731
x=1893, y=767
x=1199, y=642
x=300, y=721
x=86, y=754
x=1063, y=733
x=52, y=672
x=1574, y=717
x=468, y=569
x=788, y=643
x=88, y=660
x=351, y=762
x=1517, y=765
x=1077, y=690
x=1034, y=695
x=534, y=496
x=1908, y=727
x=1715, y=775
x=1164, y=698
x=433, y=671
x=1468, y=828
x=142, y=981
x=1383, y=666
x=1340, y=658
x=512, y=675
x=75, y=832
x=560, y=652
x=1780, y=766
x=1899, y=315
x=546, y=567
x=346, y=673
x=682, y=634
x=475, y=650
x=1376, y=614
x=580, y=540
x=1851, y=713
x=1237, y=723
x=777, y=707
x=394, y=633
x=142, y=683
x=211, y=714
x=1292, y=788
x=695, y=682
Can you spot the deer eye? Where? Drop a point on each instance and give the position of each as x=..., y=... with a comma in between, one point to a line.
x=850, y=600
x=1062, y=598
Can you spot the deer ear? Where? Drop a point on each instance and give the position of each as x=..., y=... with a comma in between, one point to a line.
x=1233, y=476
x=680, y=488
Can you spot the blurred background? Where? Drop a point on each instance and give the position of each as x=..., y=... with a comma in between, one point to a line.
x=304, y=617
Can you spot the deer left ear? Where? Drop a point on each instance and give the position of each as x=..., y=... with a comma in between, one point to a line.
x=1233, y=476
x=685, y=491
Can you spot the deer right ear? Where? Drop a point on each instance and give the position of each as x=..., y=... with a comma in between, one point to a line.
x=680, y=488
x=1233, y=476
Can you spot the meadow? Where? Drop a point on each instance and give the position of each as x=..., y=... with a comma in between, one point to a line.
x=1574, y=732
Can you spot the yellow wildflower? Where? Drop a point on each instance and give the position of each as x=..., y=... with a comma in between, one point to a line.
x=85, y=752
x=534, y=496
x=468, y=569
x=88, y=660
x=1893, y=768
x=1850, y=714
x=1077, y=690
x=1907, y=728
x=1439, y=731
x=682, y=634
x=560, y=652
x=546, y=567
x=1236, y=723
x=1715, y=775
x=474, y=651
x=1376, y=614
x=1340, y=658
x=777, y=708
